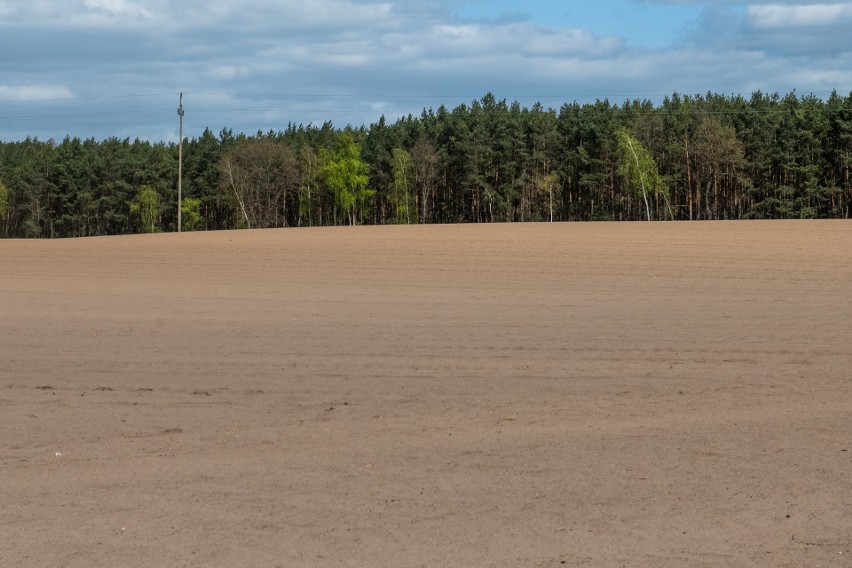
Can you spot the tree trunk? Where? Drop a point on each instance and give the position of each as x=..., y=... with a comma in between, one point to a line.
x=688, y=177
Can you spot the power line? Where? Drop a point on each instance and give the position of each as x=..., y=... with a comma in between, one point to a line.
x=379, y=112
x=73, y=99
x=366, y=112
x=379, y=95
x=82, y=114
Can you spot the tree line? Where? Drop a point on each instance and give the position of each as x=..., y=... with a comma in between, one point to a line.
x=691, y=157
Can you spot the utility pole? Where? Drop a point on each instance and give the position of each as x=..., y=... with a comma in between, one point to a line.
x=180, y=161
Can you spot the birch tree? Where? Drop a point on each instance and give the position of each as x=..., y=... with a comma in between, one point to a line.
x=146, y=209
x=639, y=169
x=345, y=175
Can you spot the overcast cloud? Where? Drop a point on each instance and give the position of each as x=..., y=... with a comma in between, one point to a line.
x=115, y=67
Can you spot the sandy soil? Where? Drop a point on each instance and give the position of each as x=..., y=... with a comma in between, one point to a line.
x=515, y=395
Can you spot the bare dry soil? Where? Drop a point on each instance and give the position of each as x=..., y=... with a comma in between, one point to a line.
x=637, y=394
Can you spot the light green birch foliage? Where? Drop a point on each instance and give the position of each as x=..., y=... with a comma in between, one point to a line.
x=345, y=175
x=639, y=169
x=146, y=208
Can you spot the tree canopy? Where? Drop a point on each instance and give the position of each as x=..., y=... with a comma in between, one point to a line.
x=690, y=157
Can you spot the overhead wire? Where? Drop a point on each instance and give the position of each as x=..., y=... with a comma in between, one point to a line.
x=379, y=95
x=317, y=97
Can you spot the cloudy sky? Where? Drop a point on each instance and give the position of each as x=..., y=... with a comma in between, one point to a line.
x=101, y=68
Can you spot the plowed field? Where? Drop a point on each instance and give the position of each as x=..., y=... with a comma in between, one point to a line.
x=636, y=394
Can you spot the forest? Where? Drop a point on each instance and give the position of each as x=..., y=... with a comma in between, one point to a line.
x=692, y=157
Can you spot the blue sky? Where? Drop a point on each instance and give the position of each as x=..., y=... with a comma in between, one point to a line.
x=101, y=68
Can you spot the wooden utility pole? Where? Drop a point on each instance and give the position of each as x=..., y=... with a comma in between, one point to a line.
x=180, y=162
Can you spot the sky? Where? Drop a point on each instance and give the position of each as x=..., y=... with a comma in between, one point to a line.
x=116, y=68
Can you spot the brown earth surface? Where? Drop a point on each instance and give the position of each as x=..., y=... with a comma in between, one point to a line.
x=636, y=394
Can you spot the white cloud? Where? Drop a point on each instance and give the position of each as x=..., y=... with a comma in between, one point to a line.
x=816, y=31
x=120, y=8
x=228, y=72
x=34, y=93
x=516, y=38
x=781, y=16
x=360, y=58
